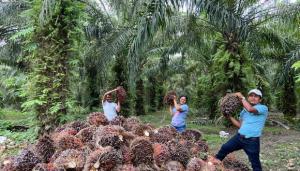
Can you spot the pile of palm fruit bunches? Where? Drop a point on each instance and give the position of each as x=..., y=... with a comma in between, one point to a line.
x=124, y=144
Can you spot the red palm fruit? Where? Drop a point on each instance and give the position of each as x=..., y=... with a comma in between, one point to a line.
x=161, y=154
x=97, y=119
x=25, y=161
x=142, y=151
x=169, y=97
x=70, y=159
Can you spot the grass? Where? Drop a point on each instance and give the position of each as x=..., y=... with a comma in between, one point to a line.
x=9, y=118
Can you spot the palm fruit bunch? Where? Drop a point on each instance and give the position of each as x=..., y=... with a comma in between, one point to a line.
x=66, y=141
x=70, y=159
x=125, y=167
x=231, y=163
x=121, y=94
x=191, y=135
x=97, y=145
x=202, y=145
x=109, y=135
x=146, y=167
x=142, y=151
x=131, y=123
x=161, y=154
x=163, y=134
x=45, y=167
x=229, y=104
x=173, y=166
x=25, y=161
x=169, y=98
x=64, y=129
x=195, y=164
x=127, y=155
x=118, y=120
x=142, y=129
x=110, y=158
x=106, y=159
x=78, y=125
x=45, y=148
x=97, y=119
x=178, y=152
x=86, y=136
x=7, y=164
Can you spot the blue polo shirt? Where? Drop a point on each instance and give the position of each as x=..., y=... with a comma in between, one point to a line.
x=179, y=117
x=253, y=124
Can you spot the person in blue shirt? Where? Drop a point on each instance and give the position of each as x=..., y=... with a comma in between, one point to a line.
x=179, y=113
x=110, y=108
x=251, y=123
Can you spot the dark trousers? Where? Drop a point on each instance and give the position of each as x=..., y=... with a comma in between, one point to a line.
x=180, y=129
x=251, y=146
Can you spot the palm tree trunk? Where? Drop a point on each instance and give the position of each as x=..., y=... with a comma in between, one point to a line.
x=139, y=101
x=289, y=97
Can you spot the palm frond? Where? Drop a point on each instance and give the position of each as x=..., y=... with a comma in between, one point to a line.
x=47, y=10
x=292, y=57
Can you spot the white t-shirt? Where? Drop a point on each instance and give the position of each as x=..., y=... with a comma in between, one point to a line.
x=109, y=109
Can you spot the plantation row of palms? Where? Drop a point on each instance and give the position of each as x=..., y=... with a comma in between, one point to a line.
x=58, y=57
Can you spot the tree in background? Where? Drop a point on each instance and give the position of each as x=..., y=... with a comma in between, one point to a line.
x=56, y=36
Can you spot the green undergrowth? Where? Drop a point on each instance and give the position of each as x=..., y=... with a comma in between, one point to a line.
x=11, y=118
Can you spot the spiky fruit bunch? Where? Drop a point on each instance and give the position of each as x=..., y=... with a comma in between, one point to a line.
x=173, y=166
x=146, y=167
x=41, y=167
x=161, y=154
x=168, y=130
x=118, y=120
x=179, y=152
x=163, y=135
x=127, y=155
x=70, y=159
x=105, y=159
x=142, y=151
x=232, y=163
x=191, y=135
x=169, y=98
x=121, y=94
x=229, y=104
x=186, y=143
x=78, y=125
x=130, y=123
x=195, y=164
x=202, y=145
x=64, y=129
x=66, y=141
x=109, y=135
x=142, y=129
x=45, y=148
x=125, y=167
x=159, y=138
x=97, y=119
x=25, y=161
x=92, y=159
x=45, y=167
x=7, y=164
x=86, y=134
x=127, y=137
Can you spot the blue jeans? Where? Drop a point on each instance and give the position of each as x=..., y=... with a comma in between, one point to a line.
x=180, y=129
x=251, y=146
